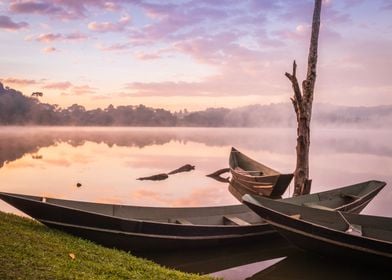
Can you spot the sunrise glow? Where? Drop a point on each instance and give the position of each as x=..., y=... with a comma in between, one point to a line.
x=193, y=54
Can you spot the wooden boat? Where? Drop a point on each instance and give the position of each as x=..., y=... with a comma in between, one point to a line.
x=337, y=234
x=139, y=228
x=257, y=177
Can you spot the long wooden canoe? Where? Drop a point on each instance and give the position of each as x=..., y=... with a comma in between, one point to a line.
x=256, y=176
x=333, y=233
x=139, y=228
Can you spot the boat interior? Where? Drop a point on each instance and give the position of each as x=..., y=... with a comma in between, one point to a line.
x=243, y=164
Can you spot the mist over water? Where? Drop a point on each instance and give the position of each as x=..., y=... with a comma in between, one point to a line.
x=107, y=161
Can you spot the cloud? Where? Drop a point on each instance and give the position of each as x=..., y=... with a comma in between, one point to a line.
x=8, y=24
x=170, y=22
x=51, y=37
x=387, y=5
x=63, y=9
x=49, y=49
x=109, y=26
x=48, y=37
x=111, y=6
x=38, y=7
x=114, y=47
x=33, y=7
x=147, y=56
x=58, y=85
x=142, y=195
x=83, y=89
x=19, y=82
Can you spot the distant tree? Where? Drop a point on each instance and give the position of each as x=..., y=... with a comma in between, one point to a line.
x=37, y=94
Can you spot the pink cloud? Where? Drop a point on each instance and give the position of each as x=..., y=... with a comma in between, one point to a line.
x=58, y=162
x=58, y=85
x=142, y=195
x=75, y=36
x=387, y=5
x=51, y=37
x=147, y=56
x=114, y=47
x=63, y=9
x=83, y=89
x=39, y=7
x=111, y=6
x=48, y=37
x=8, y=24
x=200, y=197
x=49, y=49
x=19, y=82
x=109, y=26
x=171, y=20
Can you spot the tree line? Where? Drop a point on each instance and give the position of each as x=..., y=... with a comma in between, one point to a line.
x=18, y=109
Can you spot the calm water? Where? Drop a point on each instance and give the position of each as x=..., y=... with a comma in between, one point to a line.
x=107, y=162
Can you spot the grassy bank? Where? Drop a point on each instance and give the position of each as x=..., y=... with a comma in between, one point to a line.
x=29, y=250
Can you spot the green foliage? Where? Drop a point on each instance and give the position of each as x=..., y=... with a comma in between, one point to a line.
x=29, y=250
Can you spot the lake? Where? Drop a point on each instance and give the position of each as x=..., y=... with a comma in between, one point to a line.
x=107, y=161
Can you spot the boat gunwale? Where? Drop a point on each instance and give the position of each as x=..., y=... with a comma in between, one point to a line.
x=304, y=221
x=182, y=237
x=263, y=223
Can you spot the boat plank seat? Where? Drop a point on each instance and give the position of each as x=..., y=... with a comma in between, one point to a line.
x=229, y=219
x=317, y=206
x=249, y=172
x=348, y=195
x=183, y=221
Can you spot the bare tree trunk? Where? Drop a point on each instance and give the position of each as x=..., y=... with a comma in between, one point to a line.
x=302, y=102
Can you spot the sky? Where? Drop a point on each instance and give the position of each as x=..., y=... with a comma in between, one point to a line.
x=194, y=54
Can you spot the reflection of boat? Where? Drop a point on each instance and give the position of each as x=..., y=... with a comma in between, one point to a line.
x=211, y=260
x=257, y=177
x=307, y=266
x=139, y=228
x=334, y=233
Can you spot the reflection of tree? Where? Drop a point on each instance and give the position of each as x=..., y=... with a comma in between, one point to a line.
x=14, y=143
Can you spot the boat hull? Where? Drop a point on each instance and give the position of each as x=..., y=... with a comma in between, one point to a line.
x=333, y=241
x=138, y=242
x=149, y=228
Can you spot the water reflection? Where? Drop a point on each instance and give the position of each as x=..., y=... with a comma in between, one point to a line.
x=107, y=161
x=301, y=265
x=224, y=258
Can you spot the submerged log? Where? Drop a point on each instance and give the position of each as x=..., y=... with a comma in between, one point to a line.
x=185, y=168
x=217, y=175
x=157, y=177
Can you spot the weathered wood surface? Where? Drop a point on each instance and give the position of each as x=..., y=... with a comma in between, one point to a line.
x=157, y=177
x=217, y=175
x=302, y=102
x=184, y=168
x=164, y=176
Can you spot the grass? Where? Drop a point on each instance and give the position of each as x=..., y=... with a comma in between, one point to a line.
x=29, y=250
